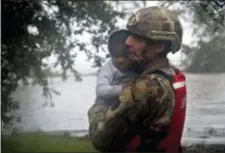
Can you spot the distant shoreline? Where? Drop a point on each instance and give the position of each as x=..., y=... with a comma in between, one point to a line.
x=186, y=72
x=75, y=133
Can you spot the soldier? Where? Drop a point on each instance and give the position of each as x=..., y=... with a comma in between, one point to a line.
x=151, y=108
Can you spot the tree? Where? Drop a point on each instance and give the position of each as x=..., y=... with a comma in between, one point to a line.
x=204, y=13
x=208, y=56
x=208, y=20
x=55, y=23
x=35, y=30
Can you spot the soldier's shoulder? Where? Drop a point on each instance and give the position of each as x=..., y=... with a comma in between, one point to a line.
x=160, y=88
x=155, y=79
x=150, y=84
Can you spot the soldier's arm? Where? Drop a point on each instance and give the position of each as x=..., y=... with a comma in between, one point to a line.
x=147, y=97
x=150, y=95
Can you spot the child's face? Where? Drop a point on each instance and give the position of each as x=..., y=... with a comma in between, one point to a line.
x=122, y=63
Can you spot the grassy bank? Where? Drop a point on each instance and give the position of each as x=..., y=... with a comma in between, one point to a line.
x=45, y=143
x=49, y=143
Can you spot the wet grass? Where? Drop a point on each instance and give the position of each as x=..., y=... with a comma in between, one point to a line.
x=45, y=143
x=50, y=143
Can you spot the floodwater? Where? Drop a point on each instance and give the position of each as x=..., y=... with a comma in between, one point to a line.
x=205, y=107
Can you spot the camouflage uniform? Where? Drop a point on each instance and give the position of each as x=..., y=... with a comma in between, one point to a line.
x=149, y=95
x=146, y=103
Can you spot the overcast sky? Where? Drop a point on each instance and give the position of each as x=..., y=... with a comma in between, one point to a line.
x=83, y=66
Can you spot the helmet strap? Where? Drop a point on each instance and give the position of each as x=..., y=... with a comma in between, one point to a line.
x=168, y=47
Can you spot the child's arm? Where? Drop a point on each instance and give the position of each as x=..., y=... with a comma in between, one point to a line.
x=104, y=89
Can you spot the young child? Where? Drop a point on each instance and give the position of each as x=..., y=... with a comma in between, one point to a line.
x=116, y=71
x=110, y=81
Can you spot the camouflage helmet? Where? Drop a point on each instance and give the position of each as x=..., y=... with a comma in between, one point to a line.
x=157, y=23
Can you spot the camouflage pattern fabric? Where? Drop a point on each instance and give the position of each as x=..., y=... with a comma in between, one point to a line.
x=145, y=104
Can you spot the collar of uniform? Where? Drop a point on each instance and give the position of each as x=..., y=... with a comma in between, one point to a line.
x=157, y=64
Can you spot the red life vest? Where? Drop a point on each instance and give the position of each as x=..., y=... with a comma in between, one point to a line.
x=172, y=142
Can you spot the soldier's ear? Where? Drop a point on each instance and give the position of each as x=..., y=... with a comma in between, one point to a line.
x=156, y=48
x=160, y=48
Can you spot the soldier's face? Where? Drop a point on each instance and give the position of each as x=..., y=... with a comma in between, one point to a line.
x=155, y=47
x=135, y=45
